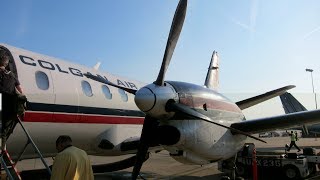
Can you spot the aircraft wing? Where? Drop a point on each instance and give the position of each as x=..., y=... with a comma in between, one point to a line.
x=263, y=97
x=278, y=122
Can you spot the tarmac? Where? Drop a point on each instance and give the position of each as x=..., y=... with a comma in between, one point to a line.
x=162, y=166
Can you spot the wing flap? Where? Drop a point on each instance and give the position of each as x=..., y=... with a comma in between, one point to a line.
x=278, y=122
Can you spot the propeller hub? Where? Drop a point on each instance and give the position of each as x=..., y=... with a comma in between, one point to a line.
x=145, y=99
x=152, y=100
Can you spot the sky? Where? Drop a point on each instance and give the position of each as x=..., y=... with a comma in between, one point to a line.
x=262, y=45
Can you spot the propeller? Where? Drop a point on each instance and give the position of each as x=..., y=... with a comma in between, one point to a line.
x=149, y=122
x=174, y=34
x=145, y=140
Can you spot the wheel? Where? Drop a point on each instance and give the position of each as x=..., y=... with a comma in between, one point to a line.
x=241, y=170
x=291, y=172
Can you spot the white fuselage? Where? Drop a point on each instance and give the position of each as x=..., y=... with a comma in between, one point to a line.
x=66, y=93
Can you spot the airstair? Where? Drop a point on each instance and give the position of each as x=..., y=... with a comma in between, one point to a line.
x=9, y=166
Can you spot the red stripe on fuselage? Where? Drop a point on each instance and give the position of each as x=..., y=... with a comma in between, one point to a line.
x=50, y=117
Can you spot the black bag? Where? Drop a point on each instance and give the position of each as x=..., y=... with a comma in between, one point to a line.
x=21, y=104
x=7, y=82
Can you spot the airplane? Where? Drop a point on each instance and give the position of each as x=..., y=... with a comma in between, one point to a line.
x=109, y=115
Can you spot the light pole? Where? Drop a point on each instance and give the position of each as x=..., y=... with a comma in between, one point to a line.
x=315, y=96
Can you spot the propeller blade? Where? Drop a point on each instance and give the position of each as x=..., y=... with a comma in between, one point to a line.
x=174, y=34
x=104, y=81
x=145, y=140
x=176, y=107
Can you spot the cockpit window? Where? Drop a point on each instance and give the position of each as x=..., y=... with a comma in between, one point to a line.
x=42, y=80
x=106, y=92
x=123, y=95
x=86, y=88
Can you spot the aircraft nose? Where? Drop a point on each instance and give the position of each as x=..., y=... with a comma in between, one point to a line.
x=145, y=99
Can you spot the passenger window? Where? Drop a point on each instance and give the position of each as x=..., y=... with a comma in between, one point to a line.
x=123, y=95
x=86, y=88
x=106, y=92
x=42, y=80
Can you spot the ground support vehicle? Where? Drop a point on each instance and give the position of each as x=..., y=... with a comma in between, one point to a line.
x=271, y=166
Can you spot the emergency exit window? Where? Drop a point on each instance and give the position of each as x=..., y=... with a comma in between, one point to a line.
x=123, y=95
x=86, y=88
x=106, y=92
x=42, y=80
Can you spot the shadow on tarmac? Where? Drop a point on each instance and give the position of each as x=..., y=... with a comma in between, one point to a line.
x=118, y=175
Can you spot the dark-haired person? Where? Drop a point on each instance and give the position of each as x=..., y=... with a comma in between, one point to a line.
x=8, y=82
x=11, y=91
x=71, y=163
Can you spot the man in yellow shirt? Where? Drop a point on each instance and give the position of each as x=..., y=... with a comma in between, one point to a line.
x=71, y=163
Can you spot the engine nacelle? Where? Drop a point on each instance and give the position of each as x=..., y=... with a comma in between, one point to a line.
x=202, y=142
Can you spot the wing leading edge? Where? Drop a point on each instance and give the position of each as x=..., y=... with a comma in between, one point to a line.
x=278, y=122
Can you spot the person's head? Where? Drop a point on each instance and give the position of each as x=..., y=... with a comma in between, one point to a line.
x=62, y=142
x=291, y=131
x=4, y=58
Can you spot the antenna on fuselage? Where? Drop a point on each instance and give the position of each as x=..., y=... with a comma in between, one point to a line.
x=96, y=67
x=212, y=79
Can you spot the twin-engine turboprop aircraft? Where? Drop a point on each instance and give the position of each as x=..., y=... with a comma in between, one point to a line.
x=103, y=113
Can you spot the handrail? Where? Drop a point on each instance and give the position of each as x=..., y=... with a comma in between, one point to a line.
x=34, y=146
